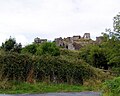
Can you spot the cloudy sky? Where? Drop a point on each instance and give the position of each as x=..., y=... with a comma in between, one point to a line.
x=27, y=19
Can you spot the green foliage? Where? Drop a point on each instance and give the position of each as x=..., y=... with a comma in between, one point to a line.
x=15, y=66
x=73, y=54
x=116, y=23
x=47, y=63
x=57, y=69
x=11, y=45
x=41, y=49
x=48, y=48
x=105, y=55
x=98, y=57
x=115, y=34
x=94, y=55
x=41, y=87
x=32, y=48
x=112, y=48
x=85, y=53
x=112, y=87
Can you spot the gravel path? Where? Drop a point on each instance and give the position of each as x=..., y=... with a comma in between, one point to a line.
x=60, y=94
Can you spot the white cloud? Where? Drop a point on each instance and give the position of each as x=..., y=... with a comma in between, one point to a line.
x=2, y=38
x=22, y=39
x=28, y=19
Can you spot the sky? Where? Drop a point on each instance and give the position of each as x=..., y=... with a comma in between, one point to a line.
x=25, y=20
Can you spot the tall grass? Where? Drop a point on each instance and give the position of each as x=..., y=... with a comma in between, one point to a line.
x=112, y=87
x=24, y=87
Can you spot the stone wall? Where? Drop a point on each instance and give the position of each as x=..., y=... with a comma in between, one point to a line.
x=38, y=40
x=75, y=42
x=99, y=39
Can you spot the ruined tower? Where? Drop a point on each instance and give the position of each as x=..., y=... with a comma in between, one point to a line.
x=86, y=36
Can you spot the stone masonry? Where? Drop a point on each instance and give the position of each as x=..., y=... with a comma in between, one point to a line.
x=77, y=42
x=73, y=43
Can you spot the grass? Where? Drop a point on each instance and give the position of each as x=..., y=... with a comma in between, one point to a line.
x=112, y=87
x=20, y=88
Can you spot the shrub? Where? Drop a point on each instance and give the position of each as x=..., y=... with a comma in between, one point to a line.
x=59, y=69
x=15, y=66
x=47, y=68
x=95, y=56
x=32, y=48
x=11, y=45
x=41, y=49
x=112, y=87
x=48, y=48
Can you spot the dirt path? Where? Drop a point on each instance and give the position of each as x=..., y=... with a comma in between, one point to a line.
x=60, y=94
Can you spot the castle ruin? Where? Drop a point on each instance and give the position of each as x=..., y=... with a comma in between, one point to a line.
x=77, y=42
x=38, y=40
x=73, y=43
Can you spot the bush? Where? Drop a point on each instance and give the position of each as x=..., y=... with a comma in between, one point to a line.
x=15, y=66
x=41, y=49
x=112, y=87
x=59, y=69
x=95, y=56
x=11, y=45
x=48, y=48
x=47, y=68
x=32, y=48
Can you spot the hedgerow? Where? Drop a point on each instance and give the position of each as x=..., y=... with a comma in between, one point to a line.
x=31, y=68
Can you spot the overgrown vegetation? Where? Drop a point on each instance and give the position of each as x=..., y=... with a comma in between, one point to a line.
x=24, y=67
x=104, y=56
x=63, y=67
x=11, y=45
x=35, y=63
x=24, y=87
x=112, y=87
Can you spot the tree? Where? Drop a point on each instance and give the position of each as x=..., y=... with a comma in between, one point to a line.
x=98, y=57
x=48, y=48
x=116, y=23
x=116, y=28
x=115, y=34
x=17, y=47
x=32, y=48
x=95, y=55
x=11, y=45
